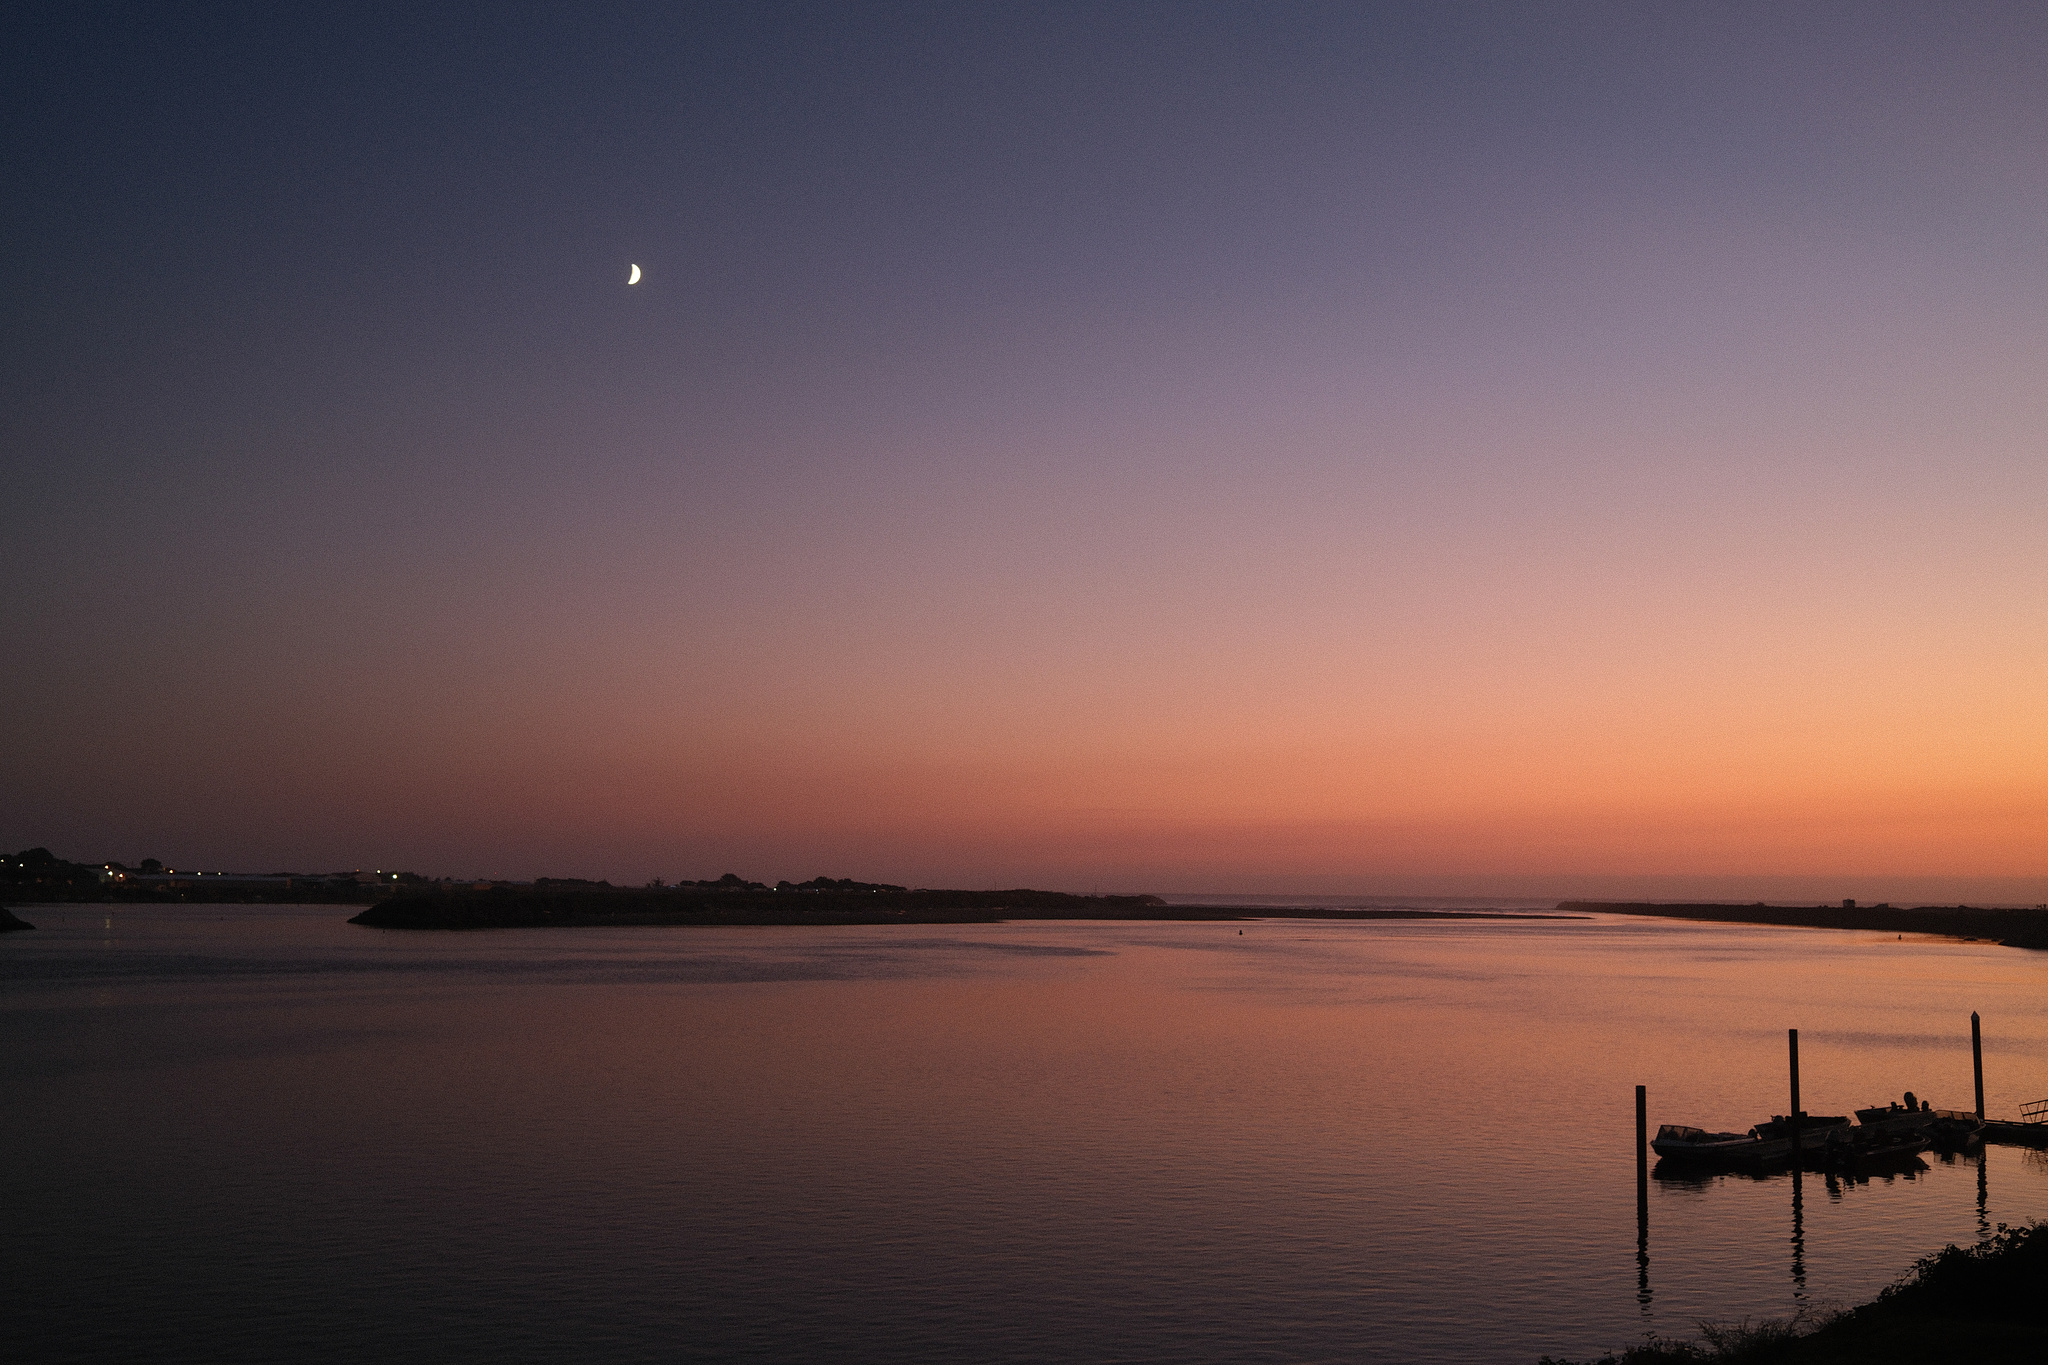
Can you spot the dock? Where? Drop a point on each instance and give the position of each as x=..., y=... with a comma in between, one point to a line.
x=2031, y=1129
x=1947, y=1130
x=1884, y=1141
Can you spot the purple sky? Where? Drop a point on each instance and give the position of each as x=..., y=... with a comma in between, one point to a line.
x=1177, y=447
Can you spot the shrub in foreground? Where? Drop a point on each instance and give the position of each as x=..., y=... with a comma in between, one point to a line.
x=1986, y=1304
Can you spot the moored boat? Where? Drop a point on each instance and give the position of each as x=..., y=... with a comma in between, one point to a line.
x=1697, y=1146
x=1767, y=1144
x=1774, y=1136
x=1914, y=1117
x=1955, y=1130
x=1947, y=1130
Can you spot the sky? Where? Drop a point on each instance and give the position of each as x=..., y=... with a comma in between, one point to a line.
x=1455, y=449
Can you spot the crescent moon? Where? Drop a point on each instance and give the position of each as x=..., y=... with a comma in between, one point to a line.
x=634, y=278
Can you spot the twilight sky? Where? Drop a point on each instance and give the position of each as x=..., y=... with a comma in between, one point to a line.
x=1180, y=447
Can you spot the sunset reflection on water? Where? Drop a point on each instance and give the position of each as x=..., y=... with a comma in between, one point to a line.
x=246, y=1134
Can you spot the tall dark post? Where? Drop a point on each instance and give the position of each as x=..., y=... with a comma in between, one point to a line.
x=1793, y=1037
x=1642, y=1200
x=1642, y=1154
x=1977, y=1060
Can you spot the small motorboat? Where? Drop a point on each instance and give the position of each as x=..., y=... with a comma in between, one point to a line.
x=1766, y=1144
x=1914, y=1117
x=1955, y=1130
x=1774, y=1136
x=1895, y=1134
x=1699, y=1147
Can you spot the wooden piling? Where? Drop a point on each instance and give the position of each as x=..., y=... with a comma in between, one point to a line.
x=1977, y=1060
x=1642, y=1155
x=1792, y=1038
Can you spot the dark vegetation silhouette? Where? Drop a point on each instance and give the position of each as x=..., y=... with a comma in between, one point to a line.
x=1986, y=1304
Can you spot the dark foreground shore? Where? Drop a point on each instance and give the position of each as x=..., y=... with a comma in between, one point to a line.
x=1986, y=1304
x=538, y=907
x=2013, y=928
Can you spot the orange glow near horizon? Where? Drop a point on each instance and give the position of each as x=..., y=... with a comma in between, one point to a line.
x=1344, y=717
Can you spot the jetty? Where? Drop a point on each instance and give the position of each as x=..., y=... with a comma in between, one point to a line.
x=1884, y=1141
x=1799, y=1141
x=2029, y=1130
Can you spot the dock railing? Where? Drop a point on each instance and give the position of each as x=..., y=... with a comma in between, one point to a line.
x=2037, y=1112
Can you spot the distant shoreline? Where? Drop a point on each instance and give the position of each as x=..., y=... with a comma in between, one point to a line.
x=523, y=908
x=565, y=903
x=2010, y=928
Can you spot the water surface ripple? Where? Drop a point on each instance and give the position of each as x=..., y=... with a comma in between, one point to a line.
x=258, y=1134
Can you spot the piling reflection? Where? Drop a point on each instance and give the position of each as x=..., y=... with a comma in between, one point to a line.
x=1983, y=1196
x=1798, y=1234
x=1643, y=1296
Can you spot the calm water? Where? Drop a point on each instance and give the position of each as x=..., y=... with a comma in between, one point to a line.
x=259, y=1134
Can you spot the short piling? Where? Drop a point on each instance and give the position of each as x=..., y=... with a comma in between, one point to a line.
x=1792, y=1038
x=1977, y=1060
